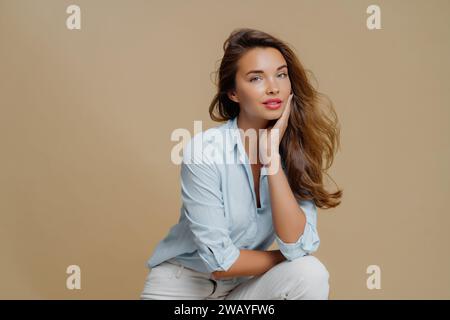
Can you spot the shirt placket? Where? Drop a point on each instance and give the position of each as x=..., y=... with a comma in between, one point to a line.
x=252, y=229
x=249, y=174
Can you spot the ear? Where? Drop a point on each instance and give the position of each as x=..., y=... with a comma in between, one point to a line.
x=232, y=96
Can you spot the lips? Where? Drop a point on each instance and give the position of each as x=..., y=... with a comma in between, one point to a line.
x=272, y=104
x=272, y=101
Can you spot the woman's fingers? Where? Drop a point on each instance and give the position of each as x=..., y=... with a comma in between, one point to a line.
x=287, y=109
x=282, y=121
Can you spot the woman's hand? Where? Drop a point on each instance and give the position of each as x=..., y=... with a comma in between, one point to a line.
x=269, y=140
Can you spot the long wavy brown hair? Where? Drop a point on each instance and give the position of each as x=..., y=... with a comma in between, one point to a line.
x=312, y=136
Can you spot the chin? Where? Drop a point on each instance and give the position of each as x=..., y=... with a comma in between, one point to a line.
x=273, y=115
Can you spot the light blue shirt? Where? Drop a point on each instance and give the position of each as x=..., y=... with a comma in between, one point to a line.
x=219, y=213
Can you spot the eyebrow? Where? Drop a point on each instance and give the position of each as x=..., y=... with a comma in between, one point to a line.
x=260, y=71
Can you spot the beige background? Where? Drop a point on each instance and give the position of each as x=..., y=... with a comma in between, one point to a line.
x=86, y=118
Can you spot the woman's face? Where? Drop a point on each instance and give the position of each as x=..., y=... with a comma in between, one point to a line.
x=262, y=74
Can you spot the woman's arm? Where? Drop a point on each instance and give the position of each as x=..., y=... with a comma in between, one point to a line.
x=295, y=222
x=251, y=263
x=288, y=218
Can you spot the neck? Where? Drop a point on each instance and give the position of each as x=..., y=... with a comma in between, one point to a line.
x=244, y=123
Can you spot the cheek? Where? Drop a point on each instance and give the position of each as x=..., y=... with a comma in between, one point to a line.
x=249, y=90
x=288, y=85
x=252, y=92
x=284, y=85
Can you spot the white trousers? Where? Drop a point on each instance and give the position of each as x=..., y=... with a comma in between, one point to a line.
x=304, y=278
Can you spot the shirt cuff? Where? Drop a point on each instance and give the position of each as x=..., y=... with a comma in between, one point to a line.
x=307, y=243
x=219, y=258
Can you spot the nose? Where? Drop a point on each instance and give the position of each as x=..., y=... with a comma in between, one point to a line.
x=272, y=88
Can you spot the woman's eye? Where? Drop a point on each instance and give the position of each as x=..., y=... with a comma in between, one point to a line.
x=284, y=74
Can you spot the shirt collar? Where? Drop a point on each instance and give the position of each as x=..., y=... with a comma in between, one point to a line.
x=232, y=138
x=236, y=143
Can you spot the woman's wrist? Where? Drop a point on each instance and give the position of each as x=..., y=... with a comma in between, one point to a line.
x=277, y=256
x=273, y=164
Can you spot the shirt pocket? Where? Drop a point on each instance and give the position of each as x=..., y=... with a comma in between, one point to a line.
x=243, y=226
x=250, y=233
x=240, y=208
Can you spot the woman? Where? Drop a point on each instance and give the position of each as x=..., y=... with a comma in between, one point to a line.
x=232, y=211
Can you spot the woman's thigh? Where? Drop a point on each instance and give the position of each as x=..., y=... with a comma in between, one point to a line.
x=302, y=278
x=169, y=281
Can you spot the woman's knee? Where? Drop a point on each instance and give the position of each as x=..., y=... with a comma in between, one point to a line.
x=309, y=278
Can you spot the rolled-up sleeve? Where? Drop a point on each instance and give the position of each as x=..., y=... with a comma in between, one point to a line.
x=309, y=241
x=203, y=207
